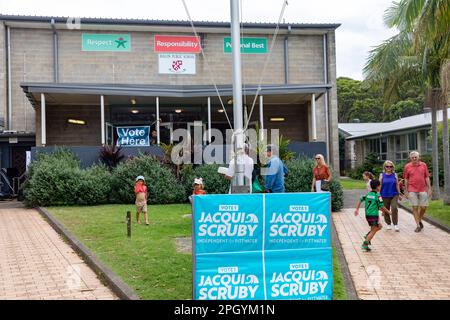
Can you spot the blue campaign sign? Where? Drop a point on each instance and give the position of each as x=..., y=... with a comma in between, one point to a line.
x=228, y=223
x=229, y=276
x=133, y=136
x=262, y=246
x=299, y=274
x=297, y=220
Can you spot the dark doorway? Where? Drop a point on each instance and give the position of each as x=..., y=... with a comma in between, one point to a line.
x=18, y=159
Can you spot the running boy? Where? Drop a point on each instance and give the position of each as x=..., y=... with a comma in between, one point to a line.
x=373, y=203
x=140, y=190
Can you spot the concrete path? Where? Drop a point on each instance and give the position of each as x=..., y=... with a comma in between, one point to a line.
x=351, y=197
x=401, y=265
x=35, y=263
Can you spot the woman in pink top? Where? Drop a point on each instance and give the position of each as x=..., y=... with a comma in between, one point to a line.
x=417, y=187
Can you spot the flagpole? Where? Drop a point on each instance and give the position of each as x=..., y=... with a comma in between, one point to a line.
x=237, y=94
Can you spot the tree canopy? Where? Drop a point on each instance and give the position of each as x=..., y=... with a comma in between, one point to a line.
x=364, y=101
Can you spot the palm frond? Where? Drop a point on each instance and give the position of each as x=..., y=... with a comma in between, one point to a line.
x=403, y=14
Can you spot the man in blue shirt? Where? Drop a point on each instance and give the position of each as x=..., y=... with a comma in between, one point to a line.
x=274, y=172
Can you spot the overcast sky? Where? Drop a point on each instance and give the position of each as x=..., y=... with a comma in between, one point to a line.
x=362, y=24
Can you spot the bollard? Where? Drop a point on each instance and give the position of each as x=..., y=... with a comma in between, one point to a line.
x=129, y=224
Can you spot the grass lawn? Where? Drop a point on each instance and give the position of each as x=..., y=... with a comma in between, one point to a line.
x=148, y=262
x=339, y=285
x=436, y=210
x=352, y=184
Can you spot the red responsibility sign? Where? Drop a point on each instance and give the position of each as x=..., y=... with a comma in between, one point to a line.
x=177, y=44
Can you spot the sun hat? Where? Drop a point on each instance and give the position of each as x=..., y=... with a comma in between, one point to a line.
x=140, y=178
x=198, y=181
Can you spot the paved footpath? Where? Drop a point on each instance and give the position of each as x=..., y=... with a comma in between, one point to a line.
x=401, y=265
x=35, y=263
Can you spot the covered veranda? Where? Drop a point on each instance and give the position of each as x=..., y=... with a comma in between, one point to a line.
x=86, y=114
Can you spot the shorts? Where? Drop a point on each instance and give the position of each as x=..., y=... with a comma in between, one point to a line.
x=141, y=207
x=418, y=199
x=373, y=221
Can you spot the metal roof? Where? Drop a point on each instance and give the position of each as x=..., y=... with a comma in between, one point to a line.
x=390, y=128
x=178, y=91
x=351, y=129
x=179, y=23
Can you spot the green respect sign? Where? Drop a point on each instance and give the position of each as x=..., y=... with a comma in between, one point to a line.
x=248, y=45
x=105, y=42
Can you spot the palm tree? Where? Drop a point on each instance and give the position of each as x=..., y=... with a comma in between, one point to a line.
x=417, y=52
x=445, y=83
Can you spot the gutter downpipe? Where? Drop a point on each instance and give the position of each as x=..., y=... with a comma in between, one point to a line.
x=286, y=56
x=8, y=70
x=327, y=118
x=55, y=52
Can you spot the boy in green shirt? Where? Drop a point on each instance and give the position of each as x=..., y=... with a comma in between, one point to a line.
x=373, y=203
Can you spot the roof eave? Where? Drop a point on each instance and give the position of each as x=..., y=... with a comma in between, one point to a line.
x=175, y=23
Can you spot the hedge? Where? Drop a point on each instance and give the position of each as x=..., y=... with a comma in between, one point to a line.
x=57, y=179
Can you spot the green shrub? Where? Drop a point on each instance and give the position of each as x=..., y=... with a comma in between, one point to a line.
x=337, y=194
x=213, y=182
x=161, y=183
x=95, y=186
x=300, y=179
x=53, y=179
x=57, y=179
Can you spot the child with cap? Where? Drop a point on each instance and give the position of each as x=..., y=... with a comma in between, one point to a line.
x=198, y=187
x=140, y=190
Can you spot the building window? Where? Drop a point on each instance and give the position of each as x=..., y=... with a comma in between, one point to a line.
x=383, y=153
x=429, y=148
x=379, y=146
x=412, y=141
x=401, y=147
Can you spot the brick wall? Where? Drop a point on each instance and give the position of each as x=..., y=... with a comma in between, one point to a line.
x=60, y=132
x=31, y=61
x=332, y=104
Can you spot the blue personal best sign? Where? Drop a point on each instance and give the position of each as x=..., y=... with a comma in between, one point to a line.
x=262, y=246
x=133, y=136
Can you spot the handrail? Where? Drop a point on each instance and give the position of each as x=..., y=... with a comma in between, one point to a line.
x=3, y=175
x=17, y=185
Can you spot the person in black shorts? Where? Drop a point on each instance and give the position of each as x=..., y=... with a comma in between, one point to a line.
x=373, y=203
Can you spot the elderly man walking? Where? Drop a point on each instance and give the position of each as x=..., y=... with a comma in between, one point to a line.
x=418, y=187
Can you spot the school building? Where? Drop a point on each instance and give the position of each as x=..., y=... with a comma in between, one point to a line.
x=75, y=82
x=388, y=140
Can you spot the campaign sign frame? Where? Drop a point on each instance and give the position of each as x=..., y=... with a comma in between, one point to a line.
x=262, y=247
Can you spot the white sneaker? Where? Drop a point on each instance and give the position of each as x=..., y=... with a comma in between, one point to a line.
x=396, y=228
x=388, y=227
